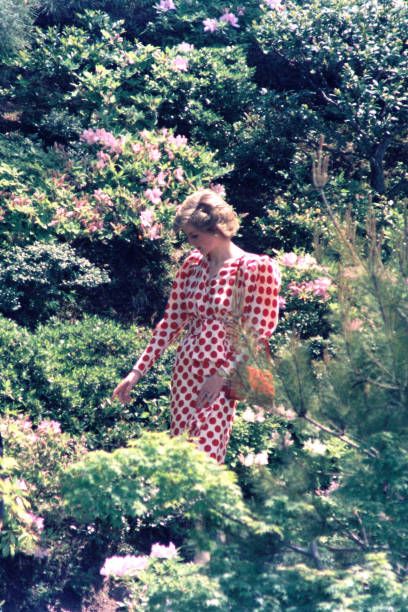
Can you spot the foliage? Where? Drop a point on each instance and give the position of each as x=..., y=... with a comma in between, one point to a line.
x=20, y=527
x=16, y=359
x=66, y=371
x=80, y=364
x=40, y=453
x=171, y=582
x=43, y=279
x=351, y=424
x=154, y=478
x=350, y=65
x=15, y=26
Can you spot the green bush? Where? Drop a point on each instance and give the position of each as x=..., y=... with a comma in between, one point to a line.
x=153, y=479
x=67, y=371
x=81, y=363
x=18, y=373
x=41, y=280
x=349, y=66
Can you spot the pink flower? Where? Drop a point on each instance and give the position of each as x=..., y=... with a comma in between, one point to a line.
x=148, y=177
x=179, y=174
x=154, y=154
x=274, y=4
x=230, y=18
x=50, y=427
x=320, y=286
x=261, y=458
x=154, y=195
x=160, y=551
x=241, y=10
x=161, y=178
x=177, y=141
x=89, y=136
x=180, y=64
x=210, y=25
x=137, y=148
x=103, y=198
x=154, y=232
x=289, y=260
x=103, y=159
x=129, y=565
x=281, y=303
x=106, y=139
x=247, y=460
x=250, y=416
x=35, y=521
x=146, y=218
x=165, y=5
x=185, y=47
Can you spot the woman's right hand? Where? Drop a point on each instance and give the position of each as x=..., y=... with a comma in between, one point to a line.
x=122, y=391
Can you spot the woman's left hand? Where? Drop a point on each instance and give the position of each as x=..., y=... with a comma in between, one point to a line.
x=210, y=390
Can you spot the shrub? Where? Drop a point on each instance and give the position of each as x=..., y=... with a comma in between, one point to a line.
x=42, y=279
x=81, y=363
x=155, y=478
x=17, y=370
x=40, y=454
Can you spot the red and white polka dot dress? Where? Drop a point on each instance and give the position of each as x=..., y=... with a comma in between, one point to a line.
x=201, y=307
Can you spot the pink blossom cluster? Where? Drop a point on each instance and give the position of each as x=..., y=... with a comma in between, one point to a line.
x=274, y=4
x=318, y=287
x=102, y=198
x=185, y=47
x=84, y=212
x=17, y=201
x=49, y=427
x=34, y=521
x=153, y=195
x=104, y=138
x=211, y=25
x=179, y=64
x=130, y=565
x=254, y=416
x=304, y=262
x=151, y=229
x=165, y=5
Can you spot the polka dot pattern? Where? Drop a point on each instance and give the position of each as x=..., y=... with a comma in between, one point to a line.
x=200, y=306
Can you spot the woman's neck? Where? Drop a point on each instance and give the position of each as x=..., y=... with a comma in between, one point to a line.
x=223, y=251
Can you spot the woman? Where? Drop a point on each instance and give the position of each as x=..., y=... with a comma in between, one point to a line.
x=202, y=303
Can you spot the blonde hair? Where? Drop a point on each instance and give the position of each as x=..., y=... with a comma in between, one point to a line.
x=208, y=212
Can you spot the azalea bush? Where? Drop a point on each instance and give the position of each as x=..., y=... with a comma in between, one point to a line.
x=21, y=528
x=40, y=453
x=308, y=291
x=113, y=186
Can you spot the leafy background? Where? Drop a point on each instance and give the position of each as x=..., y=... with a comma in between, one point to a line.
x=110, y=114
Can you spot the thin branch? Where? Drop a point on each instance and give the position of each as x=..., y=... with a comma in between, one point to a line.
x=337, y=434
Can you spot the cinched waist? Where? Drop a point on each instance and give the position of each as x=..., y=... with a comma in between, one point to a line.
x=200, y=324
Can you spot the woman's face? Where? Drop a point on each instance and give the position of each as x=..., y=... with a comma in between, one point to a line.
x=205, y=242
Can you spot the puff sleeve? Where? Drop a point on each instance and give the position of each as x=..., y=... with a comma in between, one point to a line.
x=260, y=311
x=174, y=320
